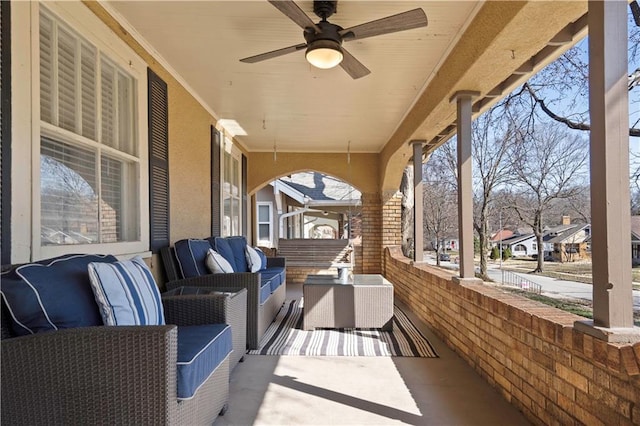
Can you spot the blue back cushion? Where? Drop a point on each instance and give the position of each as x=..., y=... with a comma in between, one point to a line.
x=222, y=246
x=191, y=255
x=201, y=349
x=238, y=245
x=232, y=249
x=52, y=294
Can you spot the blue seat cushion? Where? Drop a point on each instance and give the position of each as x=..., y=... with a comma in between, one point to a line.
x=201, y=349
x=52, y=294
x=265, y=290
x=276, y=276
x=191, y=255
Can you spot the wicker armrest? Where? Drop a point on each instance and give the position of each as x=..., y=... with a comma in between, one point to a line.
x=196, y=309
x=276, y=261
x=233, y=280
x=90, y=375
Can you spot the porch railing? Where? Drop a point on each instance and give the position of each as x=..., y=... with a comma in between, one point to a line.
x=513, y=280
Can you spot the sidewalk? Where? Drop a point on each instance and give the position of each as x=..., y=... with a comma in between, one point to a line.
x=551, y=287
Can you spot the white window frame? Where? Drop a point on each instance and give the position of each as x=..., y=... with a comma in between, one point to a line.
x=27, y=246
x=269, y=222
x=229, y=149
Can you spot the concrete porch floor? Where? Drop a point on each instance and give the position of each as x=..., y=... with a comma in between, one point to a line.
x=291, y=390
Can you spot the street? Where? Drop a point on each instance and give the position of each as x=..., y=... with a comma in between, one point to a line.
x=551, y=287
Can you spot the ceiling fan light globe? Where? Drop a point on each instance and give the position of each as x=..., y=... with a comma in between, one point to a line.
x=324, y=55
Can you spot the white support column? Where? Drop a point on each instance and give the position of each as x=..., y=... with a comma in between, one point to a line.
x=418, y=206
x=465, y=190
x=609, y=141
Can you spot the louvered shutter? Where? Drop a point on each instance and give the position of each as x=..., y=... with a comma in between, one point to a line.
x=245, y=204
x=215, y=182
x=158, y=163
x=5, y=130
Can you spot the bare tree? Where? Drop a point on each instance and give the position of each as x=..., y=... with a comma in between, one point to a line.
x=560, y=91
x=548, y=165
x=407, y=212
x=492, y=138
x=440, y=199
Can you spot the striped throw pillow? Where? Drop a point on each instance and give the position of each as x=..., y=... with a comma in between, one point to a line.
x=217, y=264
x=126, y=293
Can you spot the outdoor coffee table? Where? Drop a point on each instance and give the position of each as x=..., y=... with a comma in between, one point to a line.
x=362, y=301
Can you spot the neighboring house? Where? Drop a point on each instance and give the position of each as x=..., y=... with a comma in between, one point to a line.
x=570, y=242
x=635, y=240
x=305, y=205
x=446, y=244
x=521, y=245
x=501, y=235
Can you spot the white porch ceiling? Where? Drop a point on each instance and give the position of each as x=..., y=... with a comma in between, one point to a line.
x=285, y=101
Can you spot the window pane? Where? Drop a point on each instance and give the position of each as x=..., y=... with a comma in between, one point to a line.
x=125, y=114
x=46, y=69
x=88, y=81
x=263, y=232
x=263, y=214
x=107, y=76
x=69, y=203
x=67, y=57
x=235, y=176
x=226, y=222
x=236, y=217
x=117, y=223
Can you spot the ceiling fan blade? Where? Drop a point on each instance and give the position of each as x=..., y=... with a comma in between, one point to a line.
x=273, y=53
x=415, y=18
x=293, y=12
x=352, y=66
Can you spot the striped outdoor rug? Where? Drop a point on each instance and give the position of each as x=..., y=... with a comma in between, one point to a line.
x=285, y=336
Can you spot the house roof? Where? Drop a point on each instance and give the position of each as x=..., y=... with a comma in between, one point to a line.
x=563, y=233
x=319, y=188
x=635, y=227
x=503, y=234
x=517, y=239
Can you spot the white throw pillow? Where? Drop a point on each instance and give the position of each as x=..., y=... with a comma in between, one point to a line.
x=253, y=259
x=217, y=264
x=126, y=293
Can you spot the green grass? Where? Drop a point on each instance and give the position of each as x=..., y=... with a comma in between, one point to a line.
x=575, y=307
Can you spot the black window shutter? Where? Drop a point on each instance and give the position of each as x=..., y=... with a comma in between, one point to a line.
x=5, y=130
x=245, y=206
x=215, y=182
x=158, y=163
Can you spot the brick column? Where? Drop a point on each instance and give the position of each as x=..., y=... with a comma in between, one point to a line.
x=371, y=259
x=392, y=219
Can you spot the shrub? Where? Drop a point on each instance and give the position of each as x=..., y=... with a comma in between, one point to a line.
x=506, y=253
x=495, y=252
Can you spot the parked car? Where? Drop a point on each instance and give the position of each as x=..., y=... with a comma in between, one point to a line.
x=444, y=257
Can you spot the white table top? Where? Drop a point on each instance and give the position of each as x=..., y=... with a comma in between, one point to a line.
x=356, y=279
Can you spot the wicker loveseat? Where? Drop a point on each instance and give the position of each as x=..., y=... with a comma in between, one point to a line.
x=185, y=265
x=111, y=374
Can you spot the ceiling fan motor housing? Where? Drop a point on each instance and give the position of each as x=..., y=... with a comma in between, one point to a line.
x=324, y=8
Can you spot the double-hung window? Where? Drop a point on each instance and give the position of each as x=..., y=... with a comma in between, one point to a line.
x=265, y=224
x=231, y=190
x=91, y=160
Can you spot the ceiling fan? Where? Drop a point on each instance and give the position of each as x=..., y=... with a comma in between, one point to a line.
x=324, y=39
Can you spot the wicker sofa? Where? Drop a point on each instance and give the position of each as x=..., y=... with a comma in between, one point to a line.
x=266, y=289
x=110, y=374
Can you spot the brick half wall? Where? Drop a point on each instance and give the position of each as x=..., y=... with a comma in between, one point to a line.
x=529, y=351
